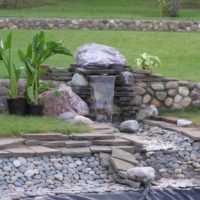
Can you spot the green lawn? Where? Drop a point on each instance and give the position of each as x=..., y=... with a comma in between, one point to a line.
x=98, y=9
x=14, y=125
x=179, y=52
x=191, y=114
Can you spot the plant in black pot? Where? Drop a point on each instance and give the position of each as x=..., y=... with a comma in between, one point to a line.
x=37, y=52
x=16, y=104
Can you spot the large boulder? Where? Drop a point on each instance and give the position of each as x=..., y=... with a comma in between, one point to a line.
x=129, y=126
x=64, y=100
x=99, y=55
x=141, y=174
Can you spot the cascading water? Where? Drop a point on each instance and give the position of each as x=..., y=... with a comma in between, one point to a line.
x=103, y=94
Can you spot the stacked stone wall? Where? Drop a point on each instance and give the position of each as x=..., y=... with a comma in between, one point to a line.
x=100, y=24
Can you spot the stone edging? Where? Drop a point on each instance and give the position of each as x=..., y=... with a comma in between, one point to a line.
x=100, y=24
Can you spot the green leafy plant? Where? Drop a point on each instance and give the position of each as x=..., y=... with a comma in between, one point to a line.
x=37, y=52
x=147, y=62
x=13, y=72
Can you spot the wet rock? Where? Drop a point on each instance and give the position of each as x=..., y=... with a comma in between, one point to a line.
x=129, y=126
x=99, y=55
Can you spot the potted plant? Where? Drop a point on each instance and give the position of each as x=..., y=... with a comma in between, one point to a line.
x=148, y=62
x=16, y=104
x=37, y=52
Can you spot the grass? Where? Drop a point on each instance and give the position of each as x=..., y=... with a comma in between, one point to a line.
x=97, y=9
x=179, y=52
x=15, y=125
x=190, y=113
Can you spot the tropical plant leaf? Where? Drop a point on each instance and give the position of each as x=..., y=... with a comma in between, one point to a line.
x=8, y=41
x=29, y=51
x=22, y=55
x=30, y=93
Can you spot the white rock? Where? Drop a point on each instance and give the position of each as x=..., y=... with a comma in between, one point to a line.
x=82, y=120
x=183, y=122
x=58, y=177
x=129, y=126
x=141, y=174
x=79, y=80
x=29, y=173
x=149, y=111
x=22, y=160
x=66, y=116
x=99, y=55
x=17, y=163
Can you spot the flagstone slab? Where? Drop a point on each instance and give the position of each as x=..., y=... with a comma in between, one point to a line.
x=5, y=154
x=21, y=151
x=52, y=144
x=32, y=142
x=44, y=136
x=91, y=136
x=10, y=142
x=101, y=149
x=40, y=150
x=120, y=165
x=134, y=139
x=124, y=155
x=80, y=152
x=112, y=142
x=74, y=143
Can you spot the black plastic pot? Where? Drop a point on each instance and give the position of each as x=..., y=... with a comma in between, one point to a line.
x=34, y=110
x=17, y=106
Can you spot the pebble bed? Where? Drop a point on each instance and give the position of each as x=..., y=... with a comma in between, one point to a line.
x=32, y=177
x=171, y=154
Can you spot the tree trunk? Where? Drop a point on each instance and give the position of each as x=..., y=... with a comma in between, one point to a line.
x=174, y=8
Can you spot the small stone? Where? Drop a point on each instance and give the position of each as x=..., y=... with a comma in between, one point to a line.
x=172, y=85
x=186, y=102
x=146, y=99
x=172, y=92
x=183, y=122
x=29, y=173
x=178, y=98
x=78, y=119
x=157, y=86
x=184, y=91
x=145, y=113
x=139, y=90
x=59, y=177
x=58, y=166
x=17, y=163
x=161, y=95
x=168, y=101
x=137, y=100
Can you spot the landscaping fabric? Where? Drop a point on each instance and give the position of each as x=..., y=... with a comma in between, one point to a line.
x=172, y=194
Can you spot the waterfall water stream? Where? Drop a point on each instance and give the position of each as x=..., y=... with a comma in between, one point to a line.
x=103, y=94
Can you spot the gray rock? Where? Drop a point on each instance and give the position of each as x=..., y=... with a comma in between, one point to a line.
x=129, y=126
x=149, y=111
x=29, y=173
x=126, y=78
x=78, y=119
x=59, y=177
x=16, y=163
x=99, y=55
x=66, y=116
x=79, y=80
x=157, y=86
x=141, y=174
x=161, y=95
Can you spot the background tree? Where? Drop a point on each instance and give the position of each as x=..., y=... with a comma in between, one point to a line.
x=169, y=8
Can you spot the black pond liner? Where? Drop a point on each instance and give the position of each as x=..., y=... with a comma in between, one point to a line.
x=156, y=194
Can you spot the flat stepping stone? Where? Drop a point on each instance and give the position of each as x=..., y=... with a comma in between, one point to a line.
x=134, y=139
x=10, y=142
x=120, y=165
x=5, y=154
x=40, y=150
x=21, y=151
x=191, y=132
x=91, y=136
x=113, y=142
x=44, y=136
x=100, y=149
x=124, y=155
x=53, y=144
x=80, y=152
x=32, y=142
x=65, y=151
x=72, y=143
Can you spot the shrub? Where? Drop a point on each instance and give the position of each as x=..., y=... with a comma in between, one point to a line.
x=169, y=8
x=16, y=4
